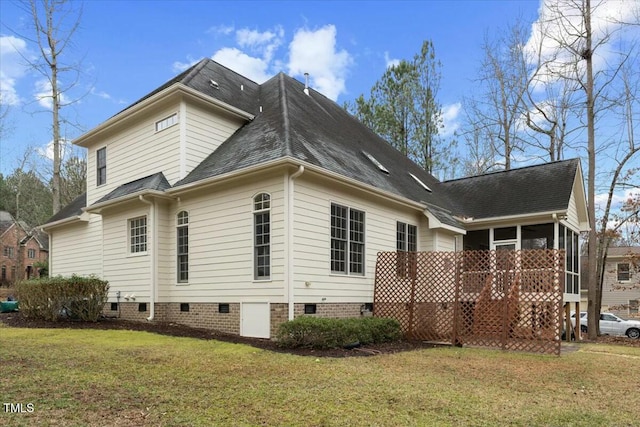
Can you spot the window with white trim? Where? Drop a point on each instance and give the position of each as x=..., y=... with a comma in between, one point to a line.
x=623, y=272
x=262, y=236
x=101, y=166
x=406, y=241
x=347, y=240
x=167, y=122
x=138, y=235
x=31, y=253
x=182, y=249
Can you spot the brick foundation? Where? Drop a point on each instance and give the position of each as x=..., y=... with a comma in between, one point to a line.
x=208, y=315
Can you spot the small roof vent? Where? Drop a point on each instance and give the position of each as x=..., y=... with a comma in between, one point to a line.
x=306, y=84
x=376, y=162
x=419, y=181
x=214, y=84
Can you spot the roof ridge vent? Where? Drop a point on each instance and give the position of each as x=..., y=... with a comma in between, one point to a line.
x=376, y=162
x=419, y=181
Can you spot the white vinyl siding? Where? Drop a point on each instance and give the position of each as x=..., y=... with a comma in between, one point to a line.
x=136, y=152
x=205, y=131
x=312, y=240
x=221, y=245
x=76, y=248
x=126, y=273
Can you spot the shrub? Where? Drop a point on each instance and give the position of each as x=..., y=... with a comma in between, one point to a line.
x=81, y=298
x=323, y=333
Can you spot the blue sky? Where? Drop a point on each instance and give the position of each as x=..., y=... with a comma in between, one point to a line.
x=129, y=48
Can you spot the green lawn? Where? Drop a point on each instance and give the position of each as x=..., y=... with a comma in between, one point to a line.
x=124, y=378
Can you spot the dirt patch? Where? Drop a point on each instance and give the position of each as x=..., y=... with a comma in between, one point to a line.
x=17, y=320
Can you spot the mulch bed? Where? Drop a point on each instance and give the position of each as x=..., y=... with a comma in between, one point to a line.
x=17, y=320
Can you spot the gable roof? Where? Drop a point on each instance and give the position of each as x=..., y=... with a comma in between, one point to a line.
x=531, y=189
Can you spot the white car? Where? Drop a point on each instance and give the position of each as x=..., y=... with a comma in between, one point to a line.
x=610, y=324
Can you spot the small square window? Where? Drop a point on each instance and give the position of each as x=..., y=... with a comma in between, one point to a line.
x=310, y=309
x=223, y=308
x=114, y=306
x=142, y=307
x=184, y=306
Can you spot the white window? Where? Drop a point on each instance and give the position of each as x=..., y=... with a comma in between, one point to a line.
x=101, y=166
x=347, y=240
x=167, y=122
x=182, y=238
x=262, y=236
x=138, y=235
x=623, y=272
x=406, y=239
x=31, y=253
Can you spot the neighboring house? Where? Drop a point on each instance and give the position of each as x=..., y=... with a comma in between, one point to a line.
x=22, y=250
x=621, y=282
x=221, y=203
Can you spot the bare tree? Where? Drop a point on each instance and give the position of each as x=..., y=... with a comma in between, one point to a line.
x=54, y=23
x=497, y=110
x=568, y=29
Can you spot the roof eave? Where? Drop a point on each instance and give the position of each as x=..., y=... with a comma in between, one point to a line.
x=98, y=207
x=192, y=186
x=63, y=221
x=555, y=214
x=435, y=223
x=175, y=89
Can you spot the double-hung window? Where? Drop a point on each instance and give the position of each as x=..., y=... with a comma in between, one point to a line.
x=138, y=235
x=623, y=272
x=406, y=241
x=31, y=253
x=101, y=166
x=347, y=240
x=182, y=238
x=262, y=236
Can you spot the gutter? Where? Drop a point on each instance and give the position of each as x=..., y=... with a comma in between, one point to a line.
x=154, y=255
x=290, y=216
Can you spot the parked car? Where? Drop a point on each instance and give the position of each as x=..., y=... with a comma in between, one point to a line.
x=610, y=324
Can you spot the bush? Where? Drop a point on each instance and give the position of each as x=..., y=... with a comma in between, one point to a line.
x=81, y=298
x=323, y=333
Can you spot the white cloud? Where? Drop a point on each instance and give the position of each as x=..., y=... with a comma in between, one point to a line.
x=314, y=52
x=222, y=29
x=263, y=44
x=179, y=67
x=12, y=49
x=100, y=94
x=251, y=67
x=558, y=21
x=390, y=62
x=450, y=120
x=46, y=151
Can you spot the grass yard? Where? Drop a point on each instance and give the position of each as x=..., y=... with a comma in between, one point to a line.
x=124, y=378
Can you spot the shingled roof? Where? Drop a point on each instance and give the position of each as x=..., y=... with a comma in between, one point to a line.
x=303, y=125
x=532, y=189
x=316, y=130
x=72, y=209
x=156, y=182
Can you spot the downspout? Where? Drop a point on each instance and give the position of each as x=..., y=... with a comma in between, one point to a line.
x=290, y=212
x=154, y=254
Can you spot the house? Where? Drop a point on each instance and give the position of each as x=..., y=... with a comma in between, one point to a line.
x=217, y=202
x=621, y=282
x=23, y=250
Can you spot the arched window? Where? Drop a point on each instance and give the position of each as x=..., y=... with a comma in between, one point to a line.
x=182, y=238
x=262, y=236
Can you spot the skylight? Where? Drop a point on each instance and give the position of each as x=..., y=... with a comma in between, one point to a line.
x=422, y=184
x=376, y=162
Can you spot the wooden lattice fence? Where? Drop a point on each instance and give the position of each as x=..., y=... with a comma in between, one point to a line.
x=505, y=299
